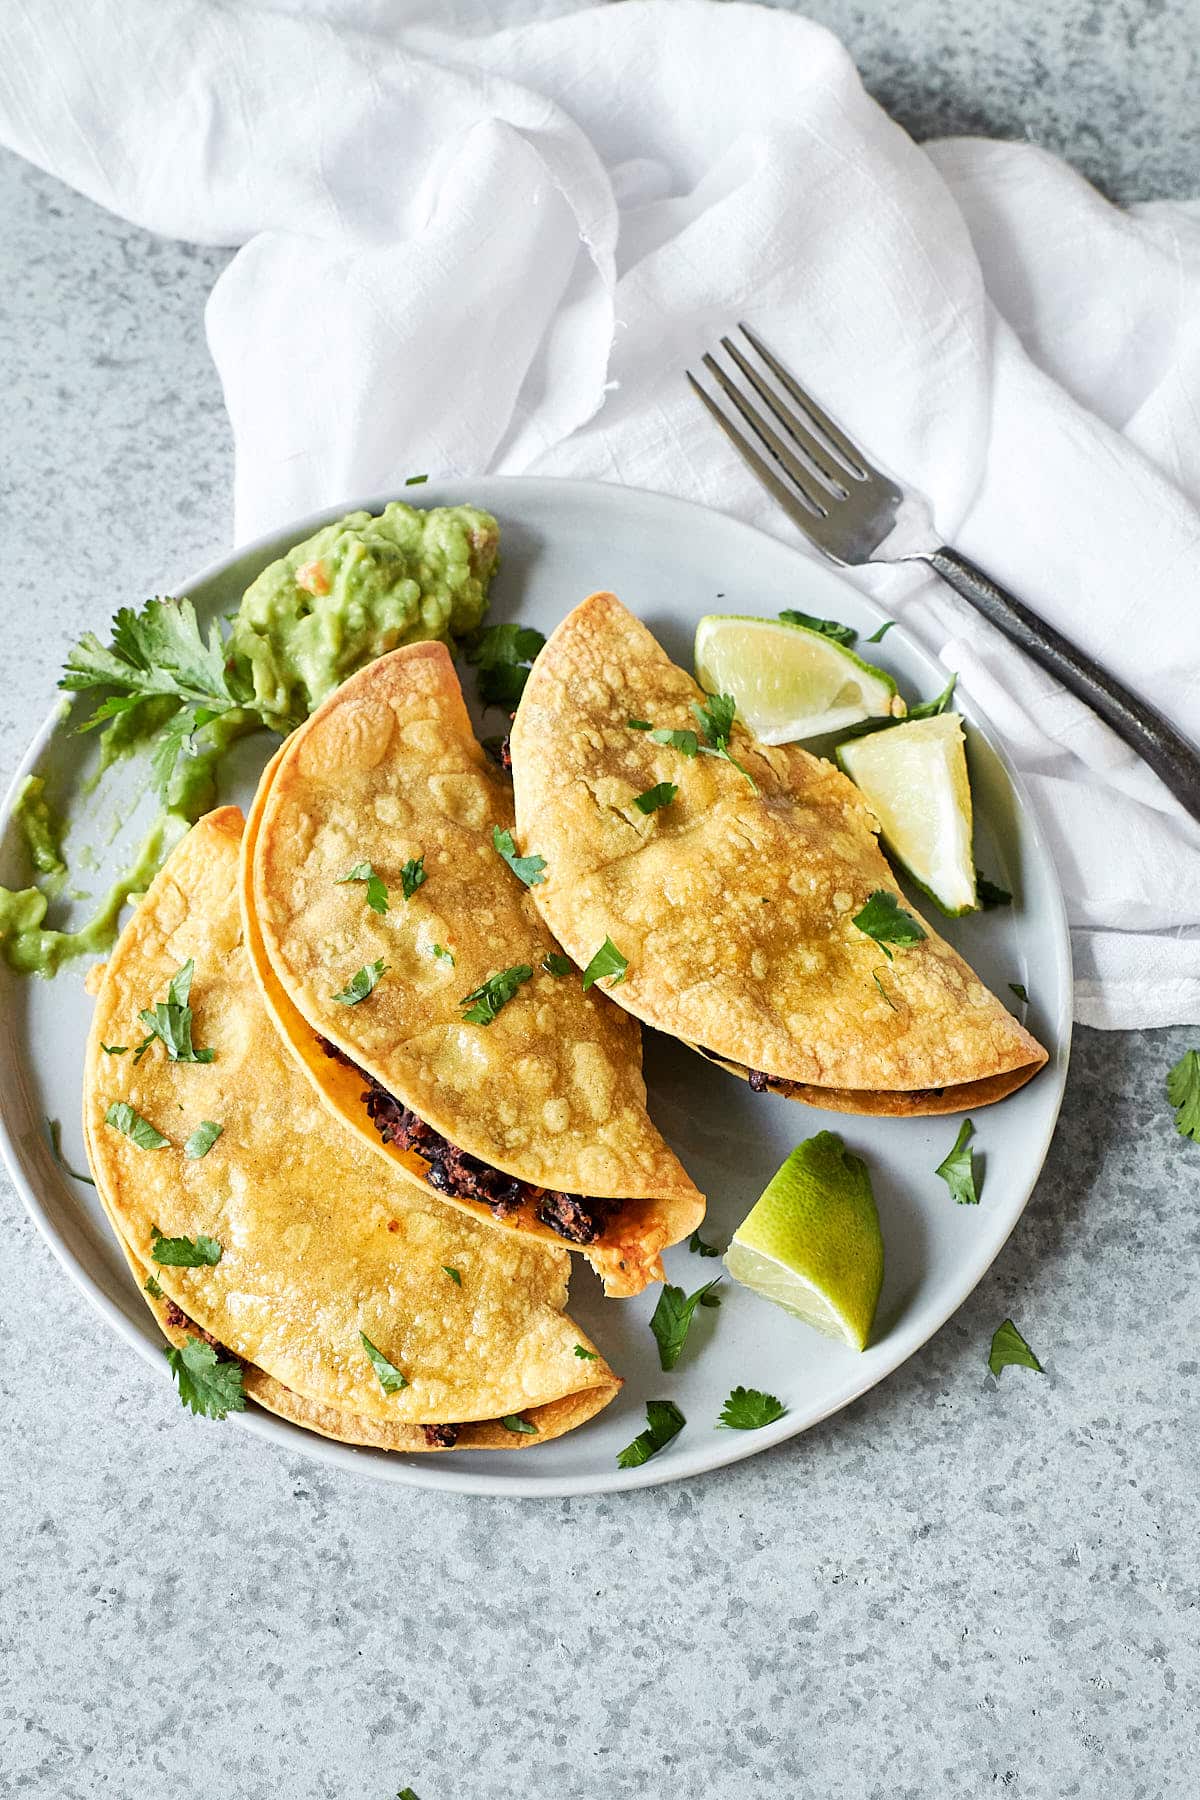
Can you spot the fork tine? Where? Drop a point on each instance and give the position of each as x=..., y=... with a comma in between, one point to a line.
x=818, y=497
x=799, y=508
x=823, y=461
x=854, y=459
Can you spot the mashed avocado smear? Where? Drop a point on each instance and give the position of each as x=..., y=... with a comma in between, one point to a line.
x=354, y=590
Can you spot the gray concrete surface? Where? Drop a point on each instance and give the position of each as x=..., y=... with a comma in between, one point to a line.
x=951, y=1589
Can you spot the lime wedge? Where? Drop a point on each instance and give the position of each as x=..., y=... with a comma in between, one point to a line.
x=789, y=682
x=914, y=778
x=812, y=1244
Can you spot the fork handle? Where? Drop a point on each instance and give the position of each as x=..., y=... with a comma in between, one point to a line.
x=1174, y=760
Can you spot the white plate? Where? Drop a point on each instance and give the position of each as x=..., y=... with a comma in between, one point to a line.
x=670, y=562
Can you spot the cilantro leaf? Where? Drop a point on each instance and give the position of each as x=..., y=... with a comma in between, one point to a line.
x=929, y=709
x=958, y=1169
x=885, y=920
x=377, y=894
x=698, y=1247
x=514, y=1422
x=454, y=1274
x=1183, y=1092
x=672, y=1320
x=202, y=1139
x=114, y=1049
x=361, y=984
x=661, y=794
x=716, y=718
x=171, y=1020
x=556, y=964
x=500, y=655
x=207, y=1385
x=54, y=1133
x=443, y=955
x=157, y=651
x=413, y=876
x=586, y=1355
x=638, y=724
x=989, y=894
x=122, y=1117
x=390, y=1378
x=1014, y=987
x=877, y=637
x=1008, y=1346
x=526, y=868
x=749, y=1409
x=664, y=1421
x=483, y=1003
x=415, y=481
x=151, y=1287
x=407, y=1793
x=182, y=1253
x=607, y=961
x=686, y=742
x=830, y=628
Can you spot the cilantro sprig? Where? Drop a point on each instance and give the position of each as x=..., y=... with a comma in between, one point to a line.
x=664, y=1421
x=377, y=894
x=698, y=1247
x=555, y=963
x=661, y=794
x=1183, y=1092
x=830, y=628
x=672, y=1319
x=184, y=1252
x=607, y=961
x=501, y=655
x=207, y=1384
x=749, y=1409
x=885, y=920
x=957, y=1170
x=122, y=1117
x=716, y=718
x=485, y=1001
x=412, y=876
x=526, y=868
x=361, y=983
x=171, y=1022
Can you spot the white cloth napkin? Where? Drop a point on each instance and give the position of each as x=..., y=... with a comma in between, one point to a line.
x=468, y=243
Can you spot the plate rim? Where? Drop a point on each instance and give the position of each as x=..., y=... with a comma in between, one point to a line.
x=429, y=1473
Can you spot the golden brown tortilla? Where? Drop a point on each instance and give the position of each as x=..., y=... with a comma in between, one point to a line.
x=318, y=1242
x=734, y=907
x=387, y=771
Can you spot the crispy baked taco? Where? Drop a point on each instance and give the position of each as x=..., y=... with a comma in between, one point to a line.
x=358, y=1305
x=734, y=902
x=382, y=903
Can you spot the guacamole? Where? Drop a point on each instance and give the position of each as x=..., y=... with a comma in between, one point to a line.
x=355, y=589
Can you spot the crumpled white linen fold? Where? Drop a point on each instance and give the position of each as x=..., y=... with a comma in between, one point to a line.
x=490, y=237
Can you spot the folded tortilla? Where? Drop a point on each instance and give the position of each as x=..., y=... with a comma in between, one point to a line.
x=536, y=1120
x=318, y=1242
x=735, y=904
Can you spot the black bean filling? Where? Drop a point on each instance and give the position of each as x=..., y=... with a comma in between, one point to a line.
x=578, y=1218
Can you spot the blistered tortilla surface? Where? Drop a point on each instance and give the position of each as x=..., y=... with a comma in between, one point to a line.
x=319, y=1241
x=735, y=907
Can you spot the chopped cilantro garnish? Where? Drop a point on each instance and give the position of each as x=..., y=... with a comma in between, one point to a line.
x=1183, y=1091
x=661, y=794
x=1008, y=1346
x=483, y=1003
x=929, y=709
x=1015, y=987
x=958, y=1169
x=664, y=1421
x=443, y=955
x=514, y=1422
x=171, y=1020
x=415, y=480
x=989, y=894
x=182, y=1252
x=877, y=637
x=672, y=1320
x=686, y=742
x=607, y=961
x=413, y=876
x=202, y=1139
x=151, y=1287
x=749, y=1409
x=377, y=894
x=716, y=718
x=454, y=1274
x=122, y=1117
x=639, y=724
x=206, y=1384
x=390, y=1378
x=361, y=984
x=114, y=1049
x=830, y=628
x=698, y=1247
x=501, y=655
x=885, y=920
x=585, y=1355
x=556, y=964
x=526, y=868
x=54, y=1133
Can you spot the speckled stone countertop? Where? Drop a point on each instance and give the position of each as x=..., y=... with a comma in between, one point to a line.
x=953, y=1588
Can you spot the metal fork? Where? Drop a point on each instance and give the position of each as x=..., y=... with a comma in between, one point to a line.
x=855, y=514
